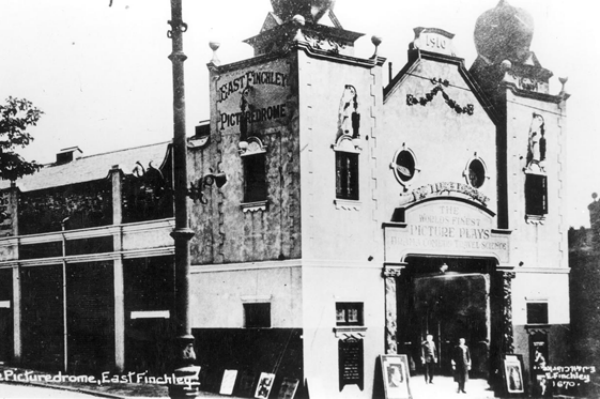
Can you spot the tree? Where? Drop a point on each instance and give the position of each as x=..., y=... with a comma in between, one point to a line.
x=15, y=117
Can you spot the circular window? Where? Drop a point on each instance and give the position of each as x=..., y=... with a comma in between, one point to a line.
x=475, y=173
x=404, y=166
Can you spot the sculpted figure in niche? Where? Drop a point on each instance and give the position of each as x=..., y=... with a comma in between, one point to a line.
x=536, y=148
x=348, y=117
x=244, y=107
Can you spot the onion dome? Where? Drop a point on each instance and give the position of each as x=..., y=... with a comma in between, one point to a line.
x=504, y=33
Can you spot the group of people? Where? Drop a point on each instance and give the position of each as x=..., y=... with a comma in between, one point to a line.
x=461, y=361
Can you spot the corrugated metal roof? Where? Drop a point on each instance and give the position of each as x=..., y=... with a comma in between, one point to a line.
x=93, y=167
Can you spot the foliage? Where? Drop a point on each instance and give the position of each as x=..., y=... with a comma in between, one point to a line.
x=16, y=115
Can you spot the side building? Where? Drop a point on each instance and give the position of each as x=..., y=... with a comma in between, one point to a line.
x=86, y=263
x=584, y=259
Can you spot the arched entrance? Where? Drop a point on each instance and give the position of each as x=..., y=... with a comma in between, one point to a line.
x=450, y=299
x=422, y=297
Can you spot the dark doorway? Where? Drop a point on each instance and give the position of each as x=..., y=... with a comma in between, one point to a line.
x=90, y=317
x=42, y=317
x=450, y=299
x=150, y=288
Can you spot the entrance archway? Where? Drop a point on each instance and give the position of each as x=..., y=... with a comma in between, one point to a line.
x=450, y=299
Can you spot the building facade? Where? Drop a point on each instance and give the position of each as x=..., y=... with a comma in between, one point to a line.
x=358, y=217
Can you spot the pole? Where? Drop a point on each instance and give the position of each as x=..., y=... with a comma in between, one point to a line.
x=184, y=356
x=64, y=293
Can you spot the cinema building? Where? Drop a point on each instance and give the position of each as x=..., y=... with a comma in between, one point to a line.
x=361, y=213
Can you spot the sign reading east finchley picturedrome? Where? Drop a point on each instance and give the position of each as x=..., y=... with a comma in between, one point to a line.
x=446, y=227
x=254, y=95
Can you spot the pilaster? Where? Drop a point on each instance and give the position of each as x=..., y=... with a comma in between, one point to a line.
x=119, y=286
x=391, y=274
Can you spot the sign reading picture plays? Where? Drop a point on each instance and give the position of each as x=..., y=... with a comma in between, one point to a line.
x=252, y=99
x=446, y=227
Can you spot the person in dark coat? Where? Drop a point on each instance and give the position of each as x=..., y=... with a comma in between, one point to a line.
x=461, y=364
x=428, y=357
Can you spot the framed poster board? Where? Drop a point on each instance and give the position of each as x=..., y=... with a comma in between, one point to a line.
x=228, y=382
x=513, y=374
x=396, y=376
x=351, y=361
x=264, y=386
x=288, y=388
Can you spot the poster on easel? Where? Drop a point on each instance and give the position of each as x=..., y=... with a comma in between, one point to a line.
x=228, y=382
x=513, y=374
x=396, y=376
x=288, y=388
x=265, y=384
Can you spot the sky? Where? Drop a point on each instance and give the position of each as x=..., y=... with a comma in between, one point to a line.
x=102, y=77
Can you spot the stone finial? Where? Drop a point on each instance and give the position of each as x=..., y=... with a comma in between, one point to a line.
x=563, y=82
x=214, y=46
x=299, y=21
x=376, y=40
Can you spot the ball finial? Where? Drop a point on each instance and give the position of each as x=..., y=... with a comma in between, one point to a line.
x=299, y=20
x=214, y=46
x=376, y=40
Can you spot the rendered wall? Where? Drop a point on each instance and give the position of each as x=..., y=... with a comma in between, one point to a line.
x=442, y=140
x=225, y=230
x=537, y=245
x=218, y=295
x=326, y=283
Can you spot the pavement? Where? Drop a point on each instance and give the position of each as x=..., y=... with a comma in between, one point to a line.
x=445, y=387
x=30, y=386
x=23, y=383
x=13, y=380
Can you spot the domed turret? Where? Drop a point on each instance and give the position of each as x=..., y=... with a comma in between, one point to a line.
x=504, y=33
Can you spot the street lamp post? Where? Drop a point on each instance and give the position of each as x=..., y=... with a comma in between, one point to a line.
x=184, y=356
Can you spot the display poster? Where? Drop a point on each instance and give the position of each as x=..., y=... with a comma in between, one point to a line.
x=265, y=384
x=288, y=388
x=228, y=382
x=351, y=364
x=513, y=374
x=396, y=376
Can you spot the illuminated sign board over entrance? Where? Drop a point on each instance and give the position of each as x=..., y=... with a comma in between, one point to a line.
x=446, y=227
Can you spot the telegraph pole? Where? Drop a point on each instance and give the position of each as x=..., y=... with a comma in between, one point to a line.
x=184, y=356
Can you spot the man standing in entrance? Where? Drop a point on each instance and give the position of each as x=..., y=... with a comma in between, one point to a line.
x=428, y=357
x=461, y=363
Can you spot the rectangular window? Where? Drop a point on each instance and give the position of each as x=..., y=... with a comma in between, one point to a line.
x=255, y=177
x=346, y=175
x=257, y=315
x=536, y=194
x=537, y=313
x=349, y=314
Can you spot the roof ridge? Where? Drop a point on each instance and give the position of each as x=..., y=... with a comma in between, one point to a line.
x=126, y=149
